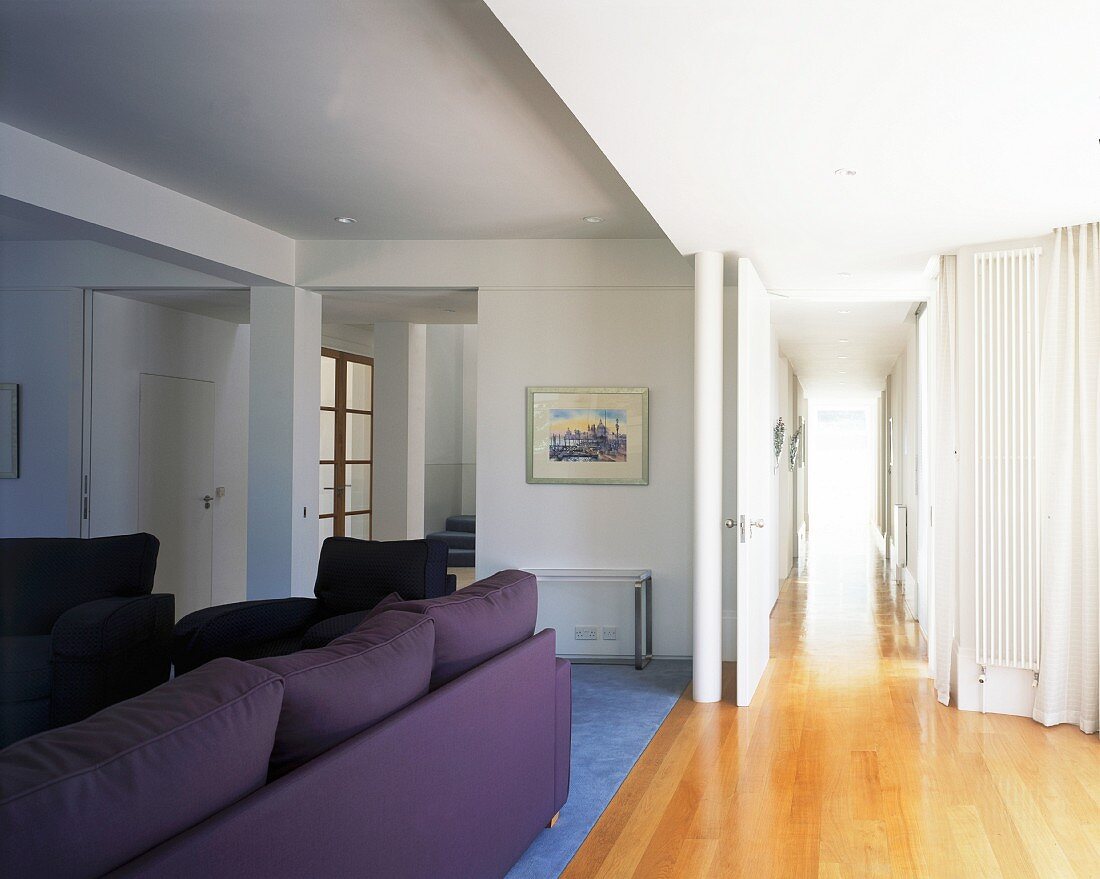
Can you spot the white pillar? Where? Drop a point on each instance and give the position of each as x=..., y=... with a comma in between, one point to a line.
x=707, y=629
x=283, y=441
x=400, y=369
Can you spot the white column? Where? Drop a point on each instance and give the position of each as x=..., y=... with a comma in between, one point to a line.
x=400, y=351
x=707, y=630
x=283, y=441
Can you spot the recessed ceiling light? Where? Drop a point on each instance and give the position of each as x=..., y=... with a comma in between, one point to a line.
x=593, y=219
x=844, y=274
x=844, y=311
x=842, y=356
x=346, y=220
x=842, y=340
x=845, y=172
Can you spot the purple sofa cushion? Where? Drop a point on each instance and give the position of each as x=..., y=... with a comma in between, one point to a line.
x=83, y=799
x=476, y=623
x=336, y=691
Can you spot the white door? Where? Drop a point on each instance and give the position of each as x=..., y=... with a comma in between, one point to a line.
x=176, y=484
x=752, y=488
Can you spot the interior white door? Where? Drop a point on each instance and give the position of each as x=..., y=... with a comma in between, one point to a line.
x=176, y=485
x=753, y=484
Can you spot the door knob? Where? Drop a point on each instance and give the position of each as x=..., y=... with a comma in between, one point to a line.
x=206, y=499
x=756, y=523
x=729, y=523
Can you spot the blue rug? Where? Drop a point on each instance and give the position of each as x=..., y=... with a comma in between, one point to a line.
x=616, y=711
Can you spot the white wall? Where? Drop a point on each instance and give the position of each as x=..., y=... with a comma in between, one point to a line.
x=802, y=473
x=902, y=404
x=451, y=423
x=351, y=338
x=589, y=337
x=784, y=480
x=129, y=338
x=41, y=350
x=400, y=363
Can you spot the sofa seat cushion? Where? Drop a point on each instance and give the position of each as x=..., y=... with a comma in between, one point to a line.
x=334, y=692
x=86, y=798
x=25, y=667
x=476, y=623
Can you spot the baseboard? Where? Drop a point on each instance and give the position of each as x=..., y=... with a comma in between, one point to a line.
x=1005, y=691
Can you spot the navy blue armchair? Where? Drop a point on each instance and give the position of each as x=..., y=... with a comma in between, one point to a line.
x=352, y=577
x=79, y=629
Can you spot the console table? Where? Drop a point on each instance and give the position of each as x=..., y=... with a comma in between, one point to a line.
x=642, y=582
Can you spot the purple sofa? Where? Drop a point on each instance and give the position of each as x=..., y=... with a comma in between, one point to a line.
x=432, y=741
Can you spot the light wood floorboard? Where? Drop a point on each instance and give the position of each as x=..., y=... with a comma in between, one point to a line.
x=846, y=766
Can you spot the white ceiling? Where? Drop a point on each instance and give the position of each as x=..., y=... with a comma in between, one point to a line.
x=841, y=350
x=421, y=305
x=229, y=305
x=966, y=122
x=422, y=118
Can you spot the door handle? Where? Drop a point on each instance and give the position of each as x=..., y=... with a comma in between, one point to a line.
x=729, y=523
x=756, y=523
x=337, y=487
x=206, y=499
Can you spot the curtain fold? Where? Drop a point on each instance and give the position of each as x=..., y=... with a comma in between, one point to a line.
x=1069, y=411
x=945, y=482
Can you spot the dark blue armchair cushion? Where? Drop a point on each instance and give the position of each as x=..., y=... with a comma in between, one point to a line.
x=353, y=683
x=41, y=578
x=355, y=575
x=24, y=686
x=83, y=799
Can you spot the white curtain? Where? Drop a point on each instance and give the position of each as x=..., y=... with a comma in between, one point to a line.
x=945, y=477
x=1069, y=409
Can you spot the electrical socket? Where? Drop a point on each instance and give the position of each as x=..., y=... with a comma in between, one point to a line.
x=610, y=633
x=586, y=633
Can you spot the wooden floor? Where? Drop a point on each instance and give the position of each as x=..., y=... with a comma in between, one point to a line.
x=845, y=764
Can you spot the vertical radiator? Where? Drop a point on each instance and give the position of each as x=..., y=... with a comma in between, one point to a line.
x=1006, y=377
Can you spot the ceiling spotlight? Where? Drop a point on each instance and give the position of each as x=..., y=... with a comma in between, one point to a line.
x=844, y=311
x=842, y=356
x=593, y=219
x=845, y=172
x=347, y=221
x=842, y=340
x=844, y=274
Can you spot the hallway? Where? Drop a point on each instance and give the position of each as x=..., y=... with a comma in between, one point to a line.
x=845, y=765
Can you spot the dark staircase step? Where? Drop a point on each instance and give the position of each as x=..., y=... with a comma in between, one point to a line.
x=460, y=558
x=461, y=523
x=455, y=539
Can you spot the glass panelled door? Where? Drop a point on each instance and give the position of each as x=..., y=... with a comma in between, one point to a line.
x=347, y=441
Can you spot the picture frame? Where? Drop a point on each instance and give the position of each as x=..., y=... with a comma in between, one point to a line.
x=587, y=436
x=9, y=430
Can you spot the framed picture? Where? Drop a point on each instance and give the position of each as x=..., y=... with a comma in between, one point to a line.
x=588, y=436
x=9, y=431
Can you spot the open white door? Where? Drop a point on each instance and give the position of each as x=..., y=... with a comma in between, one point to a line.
x=753, y=485
x=176, y=463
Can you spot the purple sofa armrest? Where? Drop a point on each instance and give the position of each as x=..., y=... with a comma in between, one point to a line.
x=563, y=722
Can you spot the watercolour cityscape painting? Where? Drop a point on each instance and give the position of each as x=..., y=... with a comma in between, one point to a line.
x=588, y=436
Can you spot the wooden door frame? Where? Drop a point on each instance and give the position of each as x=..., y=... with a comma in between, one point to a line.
x=340, y=461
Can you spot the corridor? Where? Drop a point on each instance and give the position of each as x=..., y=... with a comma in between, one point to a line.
x=845, y=765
